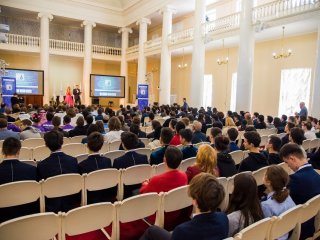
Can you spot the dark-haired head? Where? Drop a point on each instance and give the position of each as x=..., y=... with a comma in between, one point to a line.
x=95, y=141
x=53, y=140
x=173, y=157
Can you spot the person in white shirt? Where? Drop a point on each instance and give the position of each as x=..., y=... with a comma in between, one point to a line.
x=308, y=134
x=115, y=131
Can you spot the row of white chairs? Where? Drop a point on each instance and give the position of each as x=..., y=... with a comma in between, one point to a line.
x=96, y=217
x=277, y=226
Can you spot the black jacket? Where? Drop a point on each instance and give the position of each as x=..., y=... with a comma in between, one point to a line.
x=77, y=131
x=253, y=162
x=226, y=165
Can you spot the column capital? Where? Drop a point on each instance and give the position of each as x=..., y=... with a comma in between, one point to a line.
x=143, y=21
x=169, y=9
x=124, y=30
x=88, y=23
x=45, y=15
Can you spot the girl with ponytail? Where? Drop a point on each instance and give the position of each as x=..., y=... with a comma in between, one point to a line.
x=278, y=199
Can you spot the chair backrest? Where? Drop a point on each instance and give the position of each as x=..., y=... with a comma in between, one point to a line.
x=81, y=157
x=310, y=209
x=237, y=156
x=89, y=218
x=74, y=149
x=264, y=141
x=257, y=231
x=187, y=163
x=36, y=227
x=161, y=121
x=40, y=153
x=114, y=145
x=259, y=175
x=231, y=181
x=33, y=142
x=314, y=144
x=52, y=187
x=18, y=193
x=114, y=154
x=1, y=143
x=66, y=140
x=76, y=139
x=30, y=162
x=281, y=135
x=104, y=148
x=159, y=169
x=25, y=153
x=245, y=154
x=137, y=207
x=144, y=151
x=200, y=143
x=146, y=141
x=306, y=144
x=208, y=132
x=101, y=179
x=285, y=222
x=224, y=182
x=286, y=168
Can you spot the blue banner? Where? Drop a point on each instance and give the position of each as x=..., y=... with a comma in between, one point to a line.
x=143, y=95
x=8, y=89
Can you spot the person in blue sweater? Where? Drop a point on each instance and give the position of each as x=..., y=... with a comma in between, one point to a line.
x=207, y=194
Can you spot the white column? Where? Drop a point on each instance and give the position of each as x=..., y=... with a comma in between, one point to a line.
x=44, y=52
x=198, y=56
x=315, y=102
x=165, y=66
x=87, y=62
x=143, y=34
x=246, y=54
x=124, y=65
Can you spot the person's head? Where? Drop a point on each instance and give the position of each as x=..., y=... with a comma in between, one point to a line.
x=250, y=128
x=276, y=179
x=207, y=193
x=56, y=121
x=25, y=123
x=221, y=143
x=151, y=116
x=288, y=127
x=197, y=126
x=89, y=119
x=49, y=116
x=274, y=144
x=293, y=155
x=185, y=136
x=114, y=124
x=184, y=99
x=172, y=157
x=301, y=105
x=157, y=132
x=80, y=121
x=269, y=119
x=155, y=124
x=95, y=141
x=92, y=128
x=134, y=128
x=306, y=126
x=260, y=118
x=232, y=134
x=244, y=198
x=166, y=135
x=136, y=120
x=53, y=140
x=129, y=140
x=3, y=123
x=186, y=121
x=284, y=117
x=179, y=126
x=296, y=135
x=11, y=147
x=251, y=140
x=214, y=132
x=66, y=119
x=206, y=159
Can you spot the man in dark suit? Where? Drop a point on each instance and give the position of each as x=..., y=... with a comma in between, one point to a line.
x=198, y=136
x=14, y=100
x=12, y=170
x=76, y=95
x=56, y=164
x=166, y=135
x=188, y=149
x=304, y=183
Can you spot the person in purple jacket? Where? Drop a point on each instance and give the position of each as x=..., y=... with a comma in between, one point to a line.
x=48, y=124
x=66, y=122
x=36, y=118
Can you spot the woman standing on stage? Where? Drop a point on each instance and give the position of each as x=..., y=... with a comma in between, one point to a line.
x=68, y=100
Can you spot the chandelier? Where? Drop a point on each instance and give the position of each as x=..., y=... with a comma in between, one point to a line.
x=283, y=53
x=182, y=65
x=225, y=60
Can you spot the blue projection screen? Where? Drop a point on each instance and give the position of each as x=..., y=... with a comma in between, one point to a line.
x=107, y=86
x=28, y=82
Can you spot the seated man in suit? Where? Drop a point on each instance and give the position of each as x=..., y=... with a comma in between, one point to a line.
x=12, y=170
x=4, y=132
x=207, y=223
x=198, y=136
x=56, y=164
x=255, y=159
x=188, y=149
x=166, y=135
x=96, y=162
x=304, y=183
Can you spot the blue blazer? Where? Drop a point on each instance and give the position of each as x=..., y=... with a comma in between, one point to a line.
x=56, y=164
x=4, y=134
x=189, y=151
x=12, y=171
x=205, y=226
x=130, y=159
x=198, y=137
x=233, y=147
x=94, y=162
x=156, y=157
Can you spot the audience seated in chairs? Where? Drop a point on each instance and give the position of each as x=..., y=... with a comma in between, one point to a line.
x=12, y=170
x=198, y=136
x=154, y=124
x=166, y=135
x=226, y=164
x=28, y=131
x=188, y=149
x=273, y=148
x=66, y=123
x=47, y=126
x=115, y=131
x=56, y=122
x=4, y=132
x=56, y=164
x=287, y=130
x=176, y=140
x=92, y=128
x=79, y=129
x=135, y=129
x=207, y=223
x=214, y=132
x=232, y=134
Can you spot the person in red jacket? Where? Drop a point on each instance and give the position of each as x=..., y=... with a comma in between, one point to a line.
x=169, y=180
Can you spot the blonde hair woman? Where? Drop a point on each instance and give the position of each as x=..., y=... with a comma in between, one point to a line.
x=206, y=161
x=229, y=122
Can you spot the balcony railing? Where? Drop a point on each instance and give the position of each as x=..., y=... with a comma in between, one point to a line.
x=223, y=24
x=106, y=50
x=283, y=8
x=66, y=45
x=21, y=40
x=152, y=44
x=181, y=36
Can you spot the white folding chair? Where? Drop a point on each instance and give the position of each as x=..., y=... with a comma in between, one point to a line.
x=264, y=141
x=113, y=146
x=286, y=168
x=81, y=157
x=137, y=207
x=74, y=149
x=134, y=175
x=99, y=180
x=187, y=163
x=259, y=175
x=104, y=148
x=285, y=222
x=36, y=227
x=89, y=218
x=306, y=144
x=145, y=141
x=32, y=142
x=66, y=140
x=237, y=156
x=159, y=169
x=314, y=144
x=76, y=139
x=224, y=182
x=309, y=210
x=61, y=185
x=161, y=121
x=257, y=231
x=143, y=151
x=40, y=153
x=231, y=181
x=25, y=153
x=114, y=154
